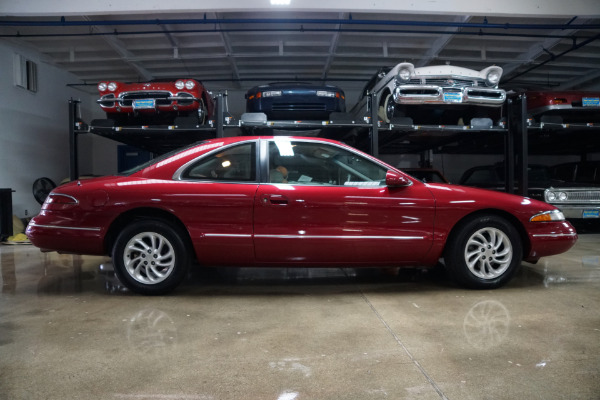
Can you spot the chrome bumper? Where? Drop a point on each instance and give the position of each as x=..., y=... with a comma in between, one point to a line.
x=421, y=94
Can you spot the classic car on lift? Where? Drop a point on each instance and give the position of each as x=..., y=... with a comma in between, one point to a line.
x=218, y=203
x=295, y=101
x=563, y=107
x=434, y=95
x=156, y=103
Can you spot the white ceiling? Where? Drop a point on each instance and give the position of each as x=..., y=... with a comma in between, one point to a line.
x=551, y=45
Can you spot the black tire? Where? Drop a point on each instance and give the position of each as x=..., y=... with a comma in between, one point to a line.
x=484, y=252
x=150, y=257
x=387, y=106
x=202, y=112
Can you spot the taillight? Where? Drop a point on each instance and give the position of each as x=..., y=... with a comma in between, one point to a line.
x=558, y=101
x=57, y=201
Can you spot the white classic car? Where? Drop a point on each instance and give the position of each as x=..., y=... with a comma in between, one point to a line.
x=403, y=90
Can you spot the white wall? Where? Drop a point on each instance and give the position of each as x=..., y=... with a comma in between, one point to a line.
x=34, y=134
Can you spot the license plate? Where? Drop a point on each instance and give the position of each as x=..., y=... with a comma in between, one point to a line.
x=146, y=103
x=591, y=101
x=453, y=97
x=591, y=214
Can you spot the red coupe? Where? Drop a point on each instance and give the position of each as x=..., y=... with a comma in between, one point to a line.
x=155, y=103
x=290, y=201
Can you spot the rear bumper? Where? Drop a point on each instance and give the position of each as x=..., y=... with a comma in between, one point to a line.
x=79, y=240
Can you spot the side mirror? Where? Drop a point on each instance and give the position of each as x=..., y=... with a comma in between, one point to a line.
x=394, y=179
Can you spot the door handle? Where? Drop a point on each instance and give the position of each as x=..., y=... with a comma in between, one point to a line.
x=275, y=199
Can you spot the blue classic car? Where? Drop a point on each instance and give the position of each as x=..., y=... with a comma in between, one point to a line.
x=295, y=101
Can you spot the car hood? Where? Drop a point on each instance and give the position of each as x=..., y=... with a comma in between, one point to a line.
x=477, y=198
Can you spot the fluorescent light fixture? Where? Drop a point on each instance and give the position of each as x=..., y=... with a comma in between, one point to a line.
x=284, y=146
x=280, y=2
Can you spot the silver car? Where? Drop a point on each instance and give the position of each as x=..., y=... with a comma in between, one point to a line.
x=403, y=90
x=578, y=196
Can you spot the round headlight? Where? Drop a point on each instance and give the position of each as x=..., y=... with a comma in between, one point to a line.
x=189, y=85
x=550, y=196
x=404, y=75
x=179, y=85
x=102, y=86
x=112, y=86
x=492, y=78
x=562, y=196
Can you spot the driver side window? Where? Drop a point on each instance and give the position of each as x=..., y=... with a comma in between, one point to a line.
x=306, y=163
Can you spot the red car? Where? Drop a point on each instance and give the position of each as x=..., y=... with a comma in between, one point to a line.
x=564, y=107
x=155, y=103
x=287, y=201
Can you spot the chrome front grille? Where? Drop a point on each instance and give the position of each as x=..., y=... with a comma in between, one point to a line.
x=588, y=196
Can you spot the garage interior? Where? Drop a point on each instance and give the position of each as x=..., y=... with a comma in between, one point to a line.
x=68, y=328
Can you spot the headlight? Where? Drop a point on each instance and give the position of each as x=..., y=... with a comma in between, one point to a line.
x=554, y=215
x=493, y=77
x=272, y=93
x=179, y=85
x=112, y=86
x=324, y=93
x=551, y=196
x=404, y=75
x=189, y=85
x=102, y=86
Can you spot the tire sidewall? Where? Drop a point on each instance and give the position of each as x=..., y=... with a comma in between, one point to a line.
x=382, y=112
x=456, y=245
x=172, y=235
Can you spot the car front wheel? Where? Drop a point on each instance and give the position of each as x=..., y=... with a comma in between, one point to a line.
x=387, y=107
x=150, y=257
x=483, y=252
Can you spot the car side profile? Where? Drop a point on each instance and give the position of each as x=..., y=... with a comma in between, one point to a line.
x=294, y=202
x=155, y=103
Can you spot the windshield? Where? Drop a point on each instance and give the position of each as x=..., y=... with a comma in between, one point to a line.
x=155, y=160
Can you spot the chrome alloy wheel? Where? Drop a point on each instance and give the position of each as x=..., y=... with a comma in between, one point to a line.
x=488, y=253
x=149, y=258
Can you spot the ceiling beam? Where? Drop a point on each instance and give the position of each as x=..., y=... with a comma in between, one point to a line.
x=440, y=43
x=127, y=57
x=539, y=49
x=459, y=7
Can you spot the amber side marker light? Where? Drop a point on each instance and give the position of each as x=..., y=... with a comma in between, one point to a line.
x=548, y=216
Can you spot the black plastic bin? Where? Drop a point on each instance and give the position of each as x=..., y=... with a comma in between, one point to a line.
x=6, y=222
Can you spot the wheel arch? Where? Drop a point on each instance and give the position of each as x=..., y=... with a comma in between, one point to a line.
x=499, y=213
x=146, y=213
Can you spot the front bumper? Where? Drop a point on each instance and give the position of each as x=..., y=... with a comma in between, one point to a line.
x=591, y=212
x=549, y=238
x=433, y=94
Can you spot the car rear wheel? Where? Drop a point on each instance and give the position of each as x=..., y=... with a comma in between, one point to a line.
x=150, y=257
x=484, y=252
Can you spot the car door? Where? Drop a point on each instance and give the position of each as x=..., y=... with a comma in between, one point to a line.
x=215, y=200
x=331, y=206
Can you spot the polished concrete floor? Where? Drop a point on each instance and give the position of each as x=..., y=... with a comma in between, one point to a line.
x=69, y=331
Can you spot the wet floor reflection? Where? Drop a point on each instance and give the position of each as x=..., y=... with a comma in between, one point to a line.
x=61, y=274
x=486, y=324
